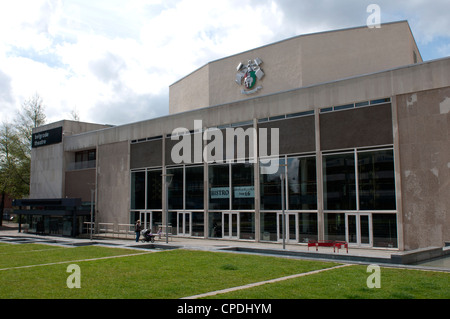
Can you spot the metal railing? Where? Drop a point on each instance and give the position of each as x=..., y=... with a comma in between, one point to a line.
x=112, y=230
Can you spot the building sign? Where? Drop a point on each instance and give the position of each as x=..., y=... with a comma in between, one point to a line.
x=244, y=192
x=248, y=76
x=220, y=192
x=239, y=192
x=46, y=138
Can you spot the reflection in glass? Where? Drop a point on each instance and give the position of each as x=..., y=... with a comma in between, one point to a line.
x=339, y=182
x=307, y=226
x=334, y=226
x=176, y=188
x=270, y=188
x=194, y=187
x=384, y=230
x=243, y=186
x=302, y=183
x=219, y=187
x=154, y=189
x=376, y=180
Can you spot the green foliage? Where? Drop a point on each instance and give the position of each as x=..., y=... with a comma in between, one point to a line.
x=15, y=150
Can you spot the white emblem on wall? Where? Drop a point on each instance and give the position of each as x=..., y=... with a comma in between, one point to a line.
x=248, y=76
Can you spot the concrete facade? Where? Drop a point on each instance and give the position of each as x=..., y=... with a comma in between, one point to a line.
x=306, y=60
x=413, y=121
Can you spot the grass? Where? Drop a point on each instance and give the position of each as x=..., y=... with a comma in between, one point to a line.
x=180, y=273
x=350, y=283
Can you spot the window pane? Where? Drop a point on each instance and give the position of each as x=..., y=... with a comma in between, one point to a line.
x=376, y=180
x=302, y=183
x=307, y=225
x=384, y=230
x=198, y=224
x=270, y=188
x=247, y=226
x=176, y=188
x=335, y=227
x=269, y=226
x=194, y=187
x=219, y=183
x=154, y=189
x=339, y=182
x=243, y=186
x=215, y=225
x=138, y=190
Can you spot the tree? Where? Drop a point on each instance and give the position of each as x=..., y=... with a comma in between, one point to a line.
x=15, y=150
x=31, y=115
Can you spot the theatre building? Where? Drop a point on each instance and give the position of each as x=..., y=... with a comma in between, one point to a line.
x=356, y=125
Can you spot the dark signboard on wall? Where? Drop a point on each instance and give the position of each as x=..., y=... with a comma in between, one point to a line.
x=48, y=137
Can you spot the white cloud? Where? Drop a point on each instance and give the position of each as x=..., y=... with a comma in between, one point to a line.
x=113, y=60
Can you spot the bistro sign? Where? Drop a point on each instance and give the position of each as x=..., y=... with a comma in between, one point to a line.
x=46, y=138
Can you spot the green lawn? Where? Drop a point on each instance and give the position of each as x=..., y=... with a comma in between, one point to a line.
x=181, y=273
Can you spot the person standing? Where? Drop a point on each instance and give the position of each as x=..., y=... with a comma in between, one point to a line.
x=137, y=229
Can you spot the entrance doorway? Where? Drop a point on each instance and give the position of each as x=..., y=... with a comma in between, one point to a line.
x=230, y=225
x=291, y=229
x=359, y=229
x=184, y=223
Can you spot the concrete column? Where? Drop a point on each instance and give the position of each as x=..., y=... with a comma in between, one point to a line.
x=256, y=181
x=398, y=173
x=319, y=178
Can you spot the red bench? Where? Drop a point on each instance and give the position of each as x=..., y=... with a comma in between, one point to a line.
x=328, y=243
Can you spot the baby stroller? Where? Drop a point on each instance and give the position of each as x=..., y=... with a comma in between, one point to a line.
x=147, y=236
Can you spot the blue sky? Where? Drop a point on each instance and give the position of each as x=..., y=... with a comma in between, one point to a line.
x=112, y=61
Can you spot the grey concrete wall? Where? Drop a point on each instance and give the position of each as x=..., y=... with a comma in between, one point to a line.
x=113, y=183
x=48, y=165
x=299, y=61
x=424, y=142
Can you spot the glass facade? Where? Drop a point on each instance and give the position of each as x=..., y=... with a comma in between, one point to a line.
x=154, y=189
x=243, y=186
x=138, y=190
x=194, y=187
x=358, y=198
x=302, y=185
x=376, y=180
x=339, y=182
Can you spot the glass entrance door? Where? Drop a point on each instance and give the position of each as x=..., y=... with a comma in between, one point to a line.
x=230, y=225
x=291, y=233
x=146, y=220
x=358, y=229
x=184, y=223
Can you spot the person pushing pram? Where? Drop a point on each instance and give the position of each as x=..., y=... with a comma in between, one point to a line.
x=147, y=236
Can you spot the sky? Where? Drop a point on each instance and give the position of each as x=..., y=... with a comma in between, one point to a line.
x=112, y=61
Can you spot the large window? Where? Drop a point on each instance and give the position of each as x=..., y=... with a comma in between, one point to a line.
x=375, y=175
x=154, y=189
x=270, y=187
x=219, y=187
x=194, y=187
x=376, y=180
x=176, y=188
x=339, y=182
x=302, y=183
x=243, y=186
x=334, y=226
x=307, y=227
x=138, y=190
x=385, y=230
